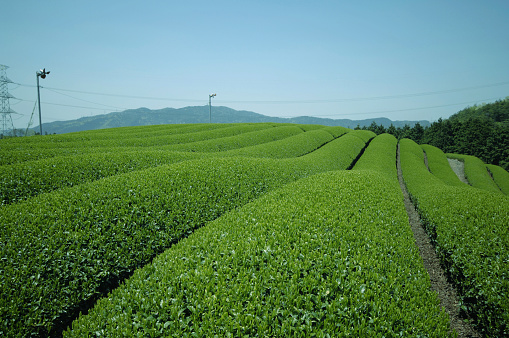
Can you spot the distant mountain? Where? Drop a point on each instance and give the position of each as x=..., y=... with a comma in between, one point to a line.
x=199, y=114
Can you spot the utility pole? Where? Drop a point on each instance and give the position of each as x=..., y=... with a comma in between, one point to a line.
x=5, y=107
x=42, y=73
x=210, y=107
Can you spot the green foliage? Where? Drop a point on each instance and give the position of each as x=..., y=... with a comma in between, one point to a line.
x=238, y=141
x=336, y=131
x=380, y=156
x=478, y=137
x=440, y=134
x=127, y=136
x=26, y=179
x=323, y=256
x=476, y=173
x=22, y=180
x=415, y=133
x=500, y=176
x=439, y=165
x=116, y=140
x=497, y=112
x=469, y=229
x=297, y=145
x=364, y=135
x=293, y=146
x=481, y=131
x=64, y=249
x=308, y=127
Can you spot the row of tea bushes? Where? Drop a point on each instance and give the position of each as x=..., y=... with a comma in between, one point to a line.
x=124, y=137
x=336, y=131
x=20, y=143
x=476, y=172
x=469, y=228
x=64, y=249
x=241, y=141
x=325, y=256
x=294, y=146
x=380, y=156
x=439, y=165
x=500, y=176
x=46, y=148
x=22, y=180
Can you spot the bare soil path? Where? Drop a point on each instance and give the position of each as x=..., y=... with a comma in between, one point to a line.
x=439, y=283
x=459, y=169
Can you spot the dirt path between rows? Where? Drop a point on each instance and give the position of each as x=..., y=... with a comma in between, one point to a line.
x=459, y=169
x=439, y=284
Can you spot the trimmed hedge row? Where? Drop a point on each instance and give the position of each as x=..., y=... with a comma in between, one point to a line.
x=500, y=176
x=64, y=249
x=469, y=228
x=476, y=173
x=23, y=180
x=439, y=165
x=294, y=146
x=240, y=141
x=337, y=131
x=306, y=127
x=20, y=143
x=315, y=258
x=132, y=136
x=26, y=179
x=46, y=148
x=364, y=135
x=323, y=256
x=380, y=156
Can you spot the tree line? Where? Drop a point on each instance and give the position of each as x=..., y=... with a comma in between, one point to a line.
x=481, y=131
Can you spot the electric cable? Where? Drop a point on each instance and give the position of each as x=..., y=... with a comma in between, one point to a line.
x=317, y=115
x=68, y=105
x=403, y=110
x=371, y=98
x=100, y=104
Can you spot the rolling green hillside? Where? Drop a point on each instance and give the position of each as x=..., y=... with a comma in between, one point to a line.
x=497, y=112
x=259, y=229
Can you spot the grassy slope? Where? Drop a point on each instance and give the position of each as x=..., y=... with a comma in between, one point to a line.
x=29, y=178
x=476, y=173
x=439, y=166
x=77, y=241
x=323, y=255
x=469, y=229
x=134, y=200
x=500, y=176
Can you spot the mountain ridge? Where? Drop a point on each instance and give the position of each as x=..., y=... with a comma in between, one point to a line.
x=200, y=114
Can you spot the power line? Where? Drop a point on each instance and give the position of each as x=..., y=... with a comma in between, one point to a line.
x=403, y=110
x=68, y=105
x=374, y=98
x=100, y=104
x=319, y=115
x=371, y=98
x=116, y=95
x=59, y=91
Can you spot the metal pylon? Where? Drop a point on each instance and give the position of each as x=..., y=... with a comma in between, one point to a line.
x=5, y=107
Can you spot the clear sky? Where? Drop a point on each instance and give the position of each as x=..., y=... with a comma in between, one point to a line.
x=405, y=60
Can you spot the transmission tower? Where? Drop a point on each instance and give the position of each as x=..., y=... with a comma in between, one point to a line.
x=5, y=107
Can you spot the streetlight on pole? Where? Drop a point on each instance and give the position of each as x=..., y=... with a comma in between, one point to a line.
x=210, y=107
x=42, y=73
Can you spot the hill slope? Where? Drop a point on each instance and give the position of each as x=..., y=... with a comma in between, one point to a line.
x=497, y=112
x=261, y=226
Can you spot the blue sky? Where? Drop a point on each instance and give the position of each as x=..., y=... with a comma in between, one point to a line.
x=405, y=60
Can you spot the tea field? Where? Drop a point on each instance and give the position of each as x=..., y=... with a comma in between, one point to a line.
x=243, y=230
